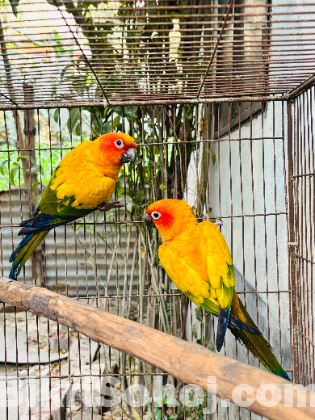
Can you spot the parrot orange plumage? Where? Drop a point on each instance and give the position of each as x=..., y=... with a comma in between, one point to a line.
x=197, y=259
x=83, y=182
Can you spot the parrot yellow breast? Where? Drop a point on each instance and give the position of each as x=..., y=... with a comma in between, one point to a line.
x=199, y=262
x=79, y=178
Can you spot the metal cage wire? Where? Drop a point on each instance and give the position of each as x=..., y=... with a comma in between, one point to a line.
x=146, y=52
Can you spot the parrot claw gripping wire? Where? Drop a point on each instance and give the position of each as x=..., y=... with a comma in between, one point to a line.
x=112, y=205
x=207, y=218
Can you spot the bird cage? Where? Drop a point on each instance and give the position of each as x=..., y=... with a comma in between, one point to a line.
x=219, y=97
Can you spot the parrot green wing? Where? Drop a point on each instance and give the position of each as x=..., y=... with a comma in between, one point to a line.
x=50, y=204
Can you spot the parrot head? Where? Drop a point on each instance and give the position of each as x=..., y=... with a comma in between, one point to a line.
x=170, y=217
x=115, y=149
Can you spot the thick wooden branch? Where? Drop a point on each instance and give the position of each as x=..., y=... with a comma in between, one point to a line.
x=189, y=362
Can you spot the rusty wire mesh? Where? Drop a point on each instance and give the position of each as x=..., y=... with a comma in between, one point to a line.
x=109, y=261
x=249, y=163
x=110, y=53
x=302, y=249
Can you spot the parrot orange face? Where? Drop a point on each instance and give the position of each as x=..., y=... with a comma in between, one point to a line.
x=171, y=217
x=117, y=148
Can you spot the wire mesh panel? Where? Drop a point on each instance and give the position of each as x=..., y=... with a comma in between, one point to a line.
x=96, y=52
x=236, y=174
x=303, y=239
x=205, y=88
x=247, y=190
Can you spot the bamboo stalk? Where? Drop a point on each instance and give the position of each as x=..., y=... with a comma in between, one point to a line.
x=188, y=362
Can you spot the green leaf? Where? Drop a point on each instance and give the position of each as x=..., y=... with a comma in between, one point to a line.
x=157, y=414
x=12, y=175
x=140, y=197
x=29, y=37
x=171, y=402
x=196, y=327
x=64, y=71
x=78, y=129
x=14, y=4
x=198, y=313
x=34, y=168
x=73, y=117
x=156, y=401
x=28, y=158
x=33, y=187
x=209, y=345
x=116, y=121
x=213, y=156
x=56, y=115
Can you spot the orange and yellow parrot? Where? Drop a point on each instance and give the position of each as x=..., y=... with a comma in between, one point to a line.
x=83, y=182
x=197, y=259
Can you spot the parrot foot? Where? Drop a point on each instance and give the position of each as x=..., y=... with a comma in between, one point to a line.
x=112, y=205
x=207, y=218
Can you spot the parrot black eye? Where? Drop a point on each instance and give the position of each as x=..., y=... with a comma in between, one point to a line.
x=156, y=215
x=119, y=144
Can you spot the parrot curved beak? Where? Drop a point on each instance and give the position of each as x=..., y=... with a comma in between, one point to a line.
x=149, y=222
x=129, y=156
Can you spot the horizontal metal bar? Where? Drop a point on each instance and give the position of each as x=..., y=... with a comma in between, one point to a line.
x=302, y=175
x=162, y=101
x=306, y=85
x=304, y=259
x=306, y=338
x=213, y=6
x=131, y=222
x=171, y=295
x=127, y=295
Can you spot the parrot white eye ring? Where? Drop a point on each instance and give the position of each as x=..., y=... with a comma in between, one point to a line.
x=119, y=144
x=156, y=215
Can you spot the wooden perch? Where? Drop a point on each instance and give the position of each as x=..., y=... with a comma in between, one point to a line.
x=188, y=362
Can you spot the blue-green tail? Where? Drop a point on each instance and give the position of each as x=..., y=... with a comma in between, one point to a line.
x=35, y=230
x=258, y=346
x=248, y=333
x=23, y=251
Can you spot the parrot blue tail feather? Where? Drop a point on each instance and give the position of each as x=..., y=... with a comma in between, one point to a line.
x=42, y=222
x=18, y=248
x=23, y=251
x=35, y=230
x=223, y=322
x=236, y=323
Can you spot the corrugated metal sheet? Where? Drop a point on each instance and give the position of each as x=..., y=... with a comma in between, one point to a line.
x=76, y=261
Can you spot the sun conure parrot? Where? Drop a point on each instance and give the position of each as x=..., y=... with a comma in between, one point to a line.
x=83, y=182
x=197, y=259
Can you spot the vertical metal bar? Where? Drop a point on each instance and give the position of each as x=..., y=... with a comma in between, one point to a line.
x=276, y=225
x=197, y=201
x=312, y=214
x=292, y=238
x=265, y=221
x=310, y=234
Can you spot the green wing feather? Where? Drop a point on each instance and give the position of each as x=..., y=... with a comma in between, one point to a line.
x=52, y=212
x=50, y=204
